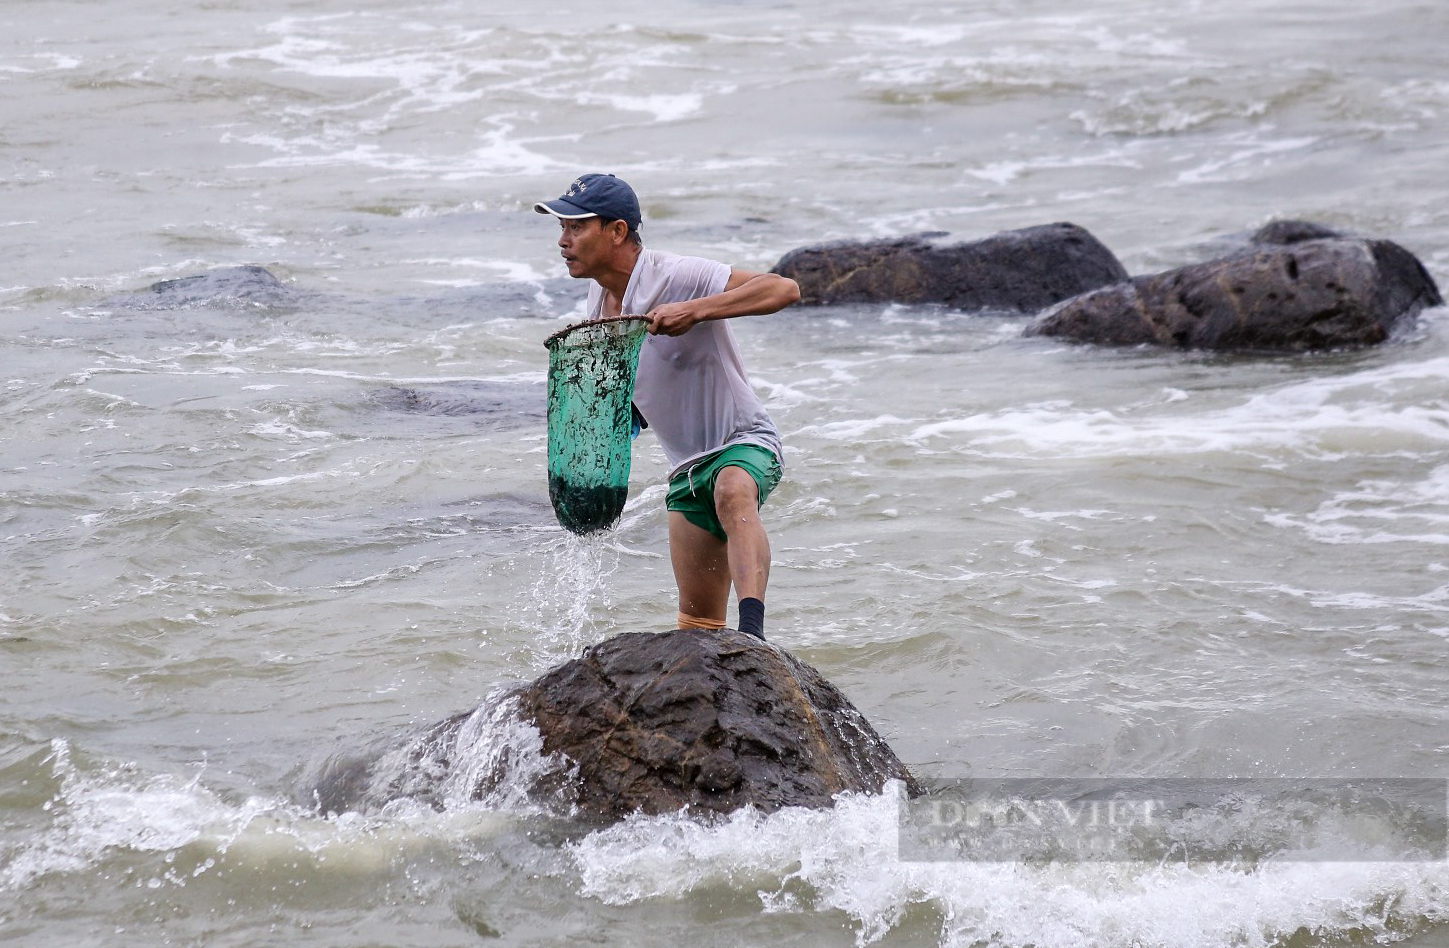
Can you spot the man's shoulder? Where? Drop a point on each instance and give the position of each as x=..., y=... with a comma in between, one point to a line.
x=667, y=261
x=662, y=276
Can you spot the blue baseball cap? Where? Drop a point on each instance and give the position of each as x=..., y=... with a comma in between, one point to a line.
x=596, y=195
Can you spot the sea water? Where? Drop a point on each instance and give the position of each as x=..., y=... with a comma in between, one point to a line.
x=244, y=532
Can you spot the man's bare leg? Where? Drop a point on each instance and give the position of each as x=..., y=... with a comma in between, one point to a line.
x=701, y=571
x=705, y=566
x=736, y=503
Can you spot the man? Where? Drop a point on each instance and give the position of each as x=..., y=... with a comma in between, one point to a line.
x=724, y=452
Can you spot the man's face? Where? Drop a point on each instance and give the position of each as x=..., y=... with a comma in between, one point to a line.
x=585, y=245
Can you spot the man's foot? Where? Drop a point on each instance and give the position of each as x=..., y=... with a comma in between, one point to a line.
x=752, y=618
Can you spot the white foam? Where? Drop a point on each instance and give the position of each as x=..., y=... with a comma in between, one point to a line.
x=287, y=432
x=533, y=377
x=1424, y=101
x=500, y=156
x=387, y=77
x=845, y=860
x=1006, y=171
x=938, y=217
x=100, y=813
x=60, y=62
x=1434, y=601
x=785, y=395
x=1380, y=511
x=854, y=430
x=1244, y=161
x=809, y=863
x=119, y=810
x=915, y=37
x=665, y=107
x=1322, y=418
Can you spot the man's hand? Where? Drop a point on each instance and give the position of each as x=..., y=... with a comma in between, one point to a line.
x=674, y=319
x=746, y=294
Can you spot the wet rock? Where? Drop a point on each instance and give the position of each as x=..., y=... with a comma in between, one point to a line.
x=644, y=722
x=1308, y=294
x=1024, y=270
x=707, y=721
x=1292, y=232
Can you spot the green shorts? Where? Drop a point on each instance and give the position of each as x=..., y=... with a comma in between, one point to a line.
x=691, y=492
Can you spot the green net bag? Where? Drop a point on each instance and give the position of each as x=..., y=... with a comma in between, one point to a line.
x=591, y=370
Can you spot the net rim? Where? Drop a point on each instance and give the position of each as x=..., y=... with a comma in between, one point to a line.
x=555, y=338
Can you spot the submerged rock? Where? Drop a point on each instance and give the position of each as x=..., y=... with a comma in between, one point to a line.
x=644, y=722
x=245, y=286
x=520, y=403
x=1024, y=270
x=1290, y=292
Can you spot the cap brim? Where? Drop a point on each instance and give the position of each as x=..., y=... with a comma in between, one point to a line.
x=563, y=209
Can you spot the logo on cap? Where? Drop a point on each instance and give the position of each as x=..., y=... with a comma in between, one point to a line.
x=601, y=195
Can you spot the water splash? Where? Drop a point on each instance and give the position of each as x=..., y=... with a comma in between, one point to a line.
x=490, y=759
x=164, y=830
x=497, y=749
x=119, y=809
x=809, y=863
x=569, y=596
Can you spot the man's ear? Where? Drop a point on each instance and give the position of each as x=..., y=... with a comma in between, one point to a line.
x=619, y=231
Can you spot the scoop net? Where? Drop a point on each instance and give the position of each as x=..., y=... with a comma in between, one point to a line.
x=591, y=371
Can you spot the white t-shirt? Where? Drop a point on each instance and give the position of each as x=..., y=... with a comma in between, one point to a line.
x=691, y=389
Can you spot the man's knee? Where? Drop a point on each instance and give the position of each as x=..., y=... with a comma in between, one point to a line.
x=736, y=492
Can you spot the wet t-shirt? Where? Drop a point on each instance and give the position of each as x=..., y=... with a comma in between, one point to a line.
x=692, y=388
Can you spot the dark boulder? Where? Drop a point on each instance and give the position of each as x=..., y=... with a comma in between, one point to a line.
x=644, y=722
x=1292, y=232
x=1023, y=270
x=708, y=721
x=1289, y=295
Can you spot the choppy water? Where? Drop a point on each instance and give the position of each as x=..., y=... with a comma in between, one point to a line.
x=239, y=534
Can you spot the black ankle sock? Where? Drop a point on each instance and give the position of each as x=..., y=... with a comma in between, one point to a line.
x=752, y=618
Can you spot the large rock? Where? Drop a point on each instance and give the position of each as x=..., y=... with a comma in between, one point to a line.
x=1024, y=270
x=708, y=721
x=1291, y=291
x=644, y=722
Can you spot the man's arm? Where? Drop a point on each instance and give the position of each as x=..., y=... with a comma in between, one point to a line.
x=745, y=294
